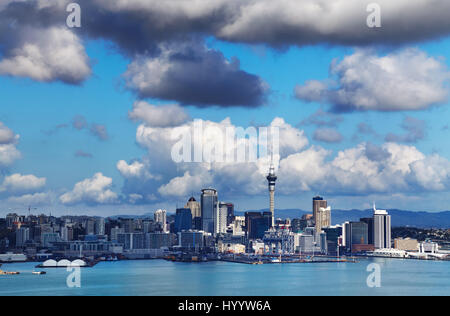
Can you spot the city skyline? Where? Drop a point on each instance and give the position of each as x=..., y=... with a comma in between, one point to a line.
x=91, y=134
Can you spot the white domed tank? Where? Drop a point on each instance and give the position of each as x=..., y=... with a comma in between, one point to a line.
x=49, y=264
x=64, y=263
x=78, y=263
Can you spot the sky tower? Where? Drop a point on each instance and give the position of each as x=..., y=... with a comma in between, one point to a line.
x=271, y=178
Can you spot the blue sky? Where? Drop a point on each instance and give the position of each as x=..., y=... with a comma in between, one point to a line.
x=42, y=113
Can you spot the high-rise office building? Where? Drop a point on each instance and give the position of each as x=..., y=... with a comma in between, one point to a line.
x=381, y=229
x=230, y=213
x=256, y=224
x=161, y=219
x=194, y=206
x=208, y=204
x=318, y=203
x=370, y=225
x=99, y=226
x=22, y=236
x=183, y=220
x=271, y=178
x=356, y=233
x=324, y=217
x=221, y=218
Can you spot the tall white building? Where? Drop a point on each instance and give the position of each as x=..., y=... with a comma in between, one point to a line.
x=323, y=217
x=381, y=229
x=161, y=219
x=221, y=220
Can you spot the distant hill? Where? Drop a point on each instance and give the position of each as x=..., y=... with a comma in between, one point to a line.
x=398, y=217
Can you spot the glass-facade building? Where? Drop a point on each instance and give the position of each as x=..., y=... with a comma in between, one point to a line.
x=209, y=209
x=183, y=220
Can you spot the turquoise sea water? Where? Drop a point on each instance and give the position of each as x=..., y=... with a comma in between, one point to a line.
x=159, y=277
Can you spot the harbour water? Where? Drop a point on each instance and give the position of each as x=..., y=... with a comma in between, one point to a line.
x=159, y=277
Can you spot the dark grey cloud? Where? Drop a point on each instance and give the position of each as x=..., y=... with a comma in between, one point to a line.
x=328, y=135
x=377, y=153
x=36, y=44
x=140, y=28
x=323, y=118
x=79, y=122
x=192, y=74
x=415, y=130
x=276, y=23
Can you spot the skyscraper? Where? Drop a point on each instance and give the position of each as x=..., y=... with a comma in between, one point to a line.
x=183, y=220
x=208, y=203
x=22, y=236
x=356, y=233
x=221, y=218
x=256, y=224
x=161, y=219
x=369, y=221
x=271, y=178
x=194, y=206
x=230, y=213
x=381, y=228
x=318, y=203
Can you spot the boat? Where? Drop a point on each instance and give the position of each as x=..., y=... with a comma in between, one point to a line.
x=8, y=273
x=39, y=272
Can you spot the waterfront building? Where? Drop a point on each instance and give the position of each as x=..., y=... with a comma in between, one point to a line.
x=191, y=240
x=271, y=179
x=356, y=233
x=256, y=224
x=131, y=241
x=306, y=244
x=231, y=248
x=428, y=247
x=333, y=236
x=237, y=225
x=208, y=203
x=370, y=229
x=323, y=243
x=407, y=244
x=382, y=229
x=279, y=241
x=159, y=240
x=183, y=220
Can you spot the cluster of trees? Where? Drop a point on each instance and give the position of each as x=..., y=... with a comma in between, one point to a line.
x=421, y=234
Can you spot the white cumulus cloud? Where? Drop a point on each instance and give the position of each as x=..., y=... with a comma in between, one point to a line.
x=400, y=81
x=95, y=190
